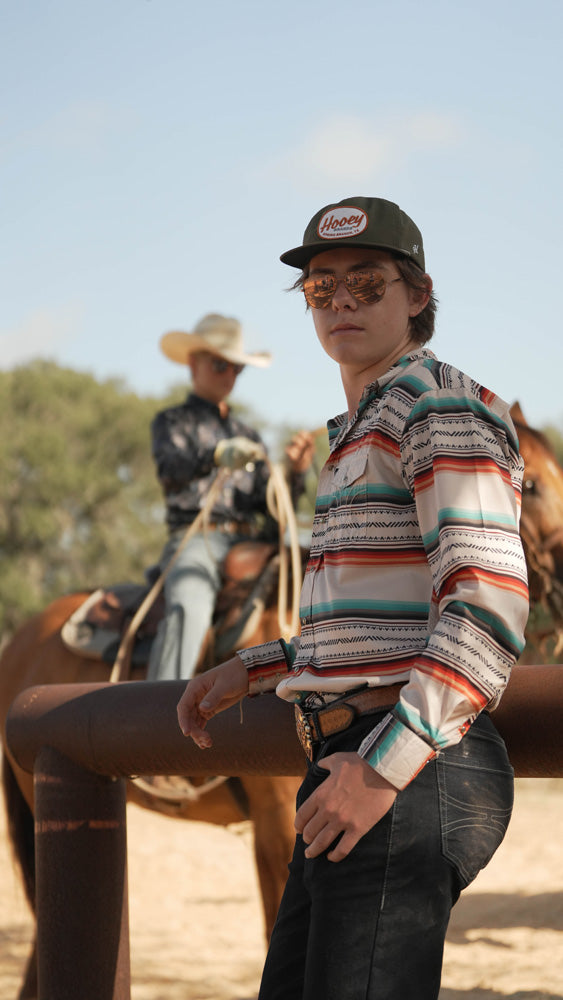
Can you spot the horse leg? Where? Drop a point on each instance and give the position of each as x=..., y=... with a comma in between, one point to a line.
x=271, y=804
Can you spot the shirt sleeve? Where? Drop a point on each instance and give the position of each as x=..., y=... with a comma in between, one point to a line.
x=268, y=664
x=461, y=463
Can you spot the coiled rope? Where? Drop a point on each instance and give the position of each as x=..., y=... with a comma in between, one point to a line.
x=281, y=508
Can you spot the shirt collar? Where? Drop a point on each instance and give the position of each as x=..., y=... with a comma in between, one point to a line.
x=420, y=353
x=339, y=425
x=199, y=403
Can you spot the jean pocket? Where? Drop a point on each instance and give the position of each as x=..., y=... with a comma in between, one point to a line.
x=476, y=798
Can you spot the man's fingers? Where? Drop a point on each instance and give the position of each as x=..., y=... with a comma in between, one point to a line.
x=192, y=714
x=319, y=836
x=194, y=725
x=322, y=841
x=313, y=828
x=208, y=694
x=201, y=738
x=348, y=803
x=304, y=814
x=188, y=706
x=342, y=849
x=300, y=451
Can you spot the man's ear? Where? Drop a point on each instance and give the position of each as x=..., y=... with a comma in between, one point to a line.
x=419, y=297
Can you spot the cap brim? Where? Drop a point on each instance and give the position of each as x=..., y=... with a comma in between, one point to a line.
x=300, y=256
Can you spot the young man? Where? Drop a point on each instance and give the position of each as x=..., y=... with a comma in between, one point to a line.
x=189, y=442
x=413, y=612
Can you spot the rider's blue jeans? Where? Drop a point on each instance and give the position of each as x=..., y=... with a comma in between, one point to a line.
x=190, y=591
x=372, y=927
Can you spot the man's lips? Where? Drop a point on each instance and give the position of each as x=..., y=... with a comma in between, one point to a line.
x=345, y=328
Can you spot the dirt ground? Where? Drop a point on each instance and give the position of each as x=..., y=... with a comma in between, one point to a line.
x=196, y=923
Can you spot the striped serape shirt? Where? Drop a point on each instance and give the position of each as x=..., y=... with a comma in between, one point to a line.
x=416, y=572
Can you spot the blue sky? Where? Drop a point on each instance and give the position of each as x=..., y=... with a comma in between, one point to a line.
x=156, y=157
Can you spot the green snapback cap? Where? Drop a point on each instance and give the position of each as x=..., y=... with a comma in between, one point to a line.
x=371, y=223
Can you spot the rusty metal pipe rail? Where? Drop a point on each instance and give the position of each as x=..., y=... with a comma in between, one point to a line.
x=131, y=728
x=82, y=740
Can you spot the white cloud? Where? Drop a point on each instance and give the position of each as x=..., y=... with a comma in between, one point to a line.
x=346, y=148
x=39, y=335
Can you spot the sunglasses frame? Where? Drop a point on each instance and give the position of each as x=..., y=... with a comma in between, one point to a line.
x=367, y=298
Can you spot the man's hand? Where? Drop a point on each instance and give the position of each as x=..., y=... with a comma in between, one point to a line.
x=300, y=451
x=210, y=693
x=236, y=452
x=351, y=800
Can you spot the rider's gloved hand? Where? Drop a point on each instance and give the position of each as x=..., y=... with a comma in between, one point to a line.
x=236, y=452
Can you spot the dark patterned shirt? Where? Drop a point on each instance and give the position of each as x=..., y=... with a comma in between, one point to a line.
x=184, y=439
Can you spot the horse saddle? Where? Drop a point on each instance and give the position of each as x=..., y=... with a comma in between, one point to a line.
x=249, y=573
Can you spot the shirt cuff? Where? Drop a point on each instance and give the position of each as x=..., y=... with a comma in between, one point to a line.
x=395, y=751
x=266, y=665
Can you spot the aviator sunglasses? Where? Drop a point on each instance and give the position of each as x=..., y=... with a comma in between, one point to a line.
x=366, y=286
x=220, y=366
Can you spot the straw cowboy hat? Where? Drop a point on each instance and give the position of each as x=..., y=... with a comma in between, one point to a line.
x=220, y=335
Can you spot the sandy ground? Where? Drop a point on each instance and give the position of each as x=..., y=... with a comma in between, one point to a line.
x=196, y=923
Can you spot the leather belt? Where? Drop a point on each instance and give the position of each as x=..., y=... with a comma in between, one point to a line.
x=315, y=726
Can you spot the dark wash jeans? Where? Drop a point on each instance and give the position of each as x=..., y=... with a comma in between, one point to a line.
x=372, y=927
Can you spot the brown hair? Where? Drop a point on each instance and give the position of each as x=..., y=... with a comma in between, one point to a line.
x=422, y=326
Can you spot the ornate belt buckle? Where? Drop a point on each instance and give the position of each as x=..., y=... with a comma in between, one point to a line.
x=304, y=732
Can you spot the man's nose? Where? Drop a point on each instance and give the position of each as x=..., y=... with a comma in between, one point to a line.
x=342, y=298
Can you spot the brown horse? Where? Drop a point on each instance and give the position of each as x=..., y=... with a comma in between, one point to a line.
x=37, y=655
x=541, y=530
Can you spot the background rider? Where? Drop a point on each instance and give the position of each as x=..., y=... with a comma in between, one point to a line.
x=189, y=443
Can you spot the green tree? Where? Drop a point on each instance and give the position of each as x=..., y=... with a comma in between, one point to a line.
x=80, y=505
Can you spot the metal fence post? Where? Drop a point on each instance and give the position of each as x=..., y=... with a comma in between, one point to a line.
x=82, y=899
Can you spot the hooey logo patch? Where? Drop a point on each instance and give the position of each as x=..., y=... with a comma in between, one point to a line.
x=342, y=222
